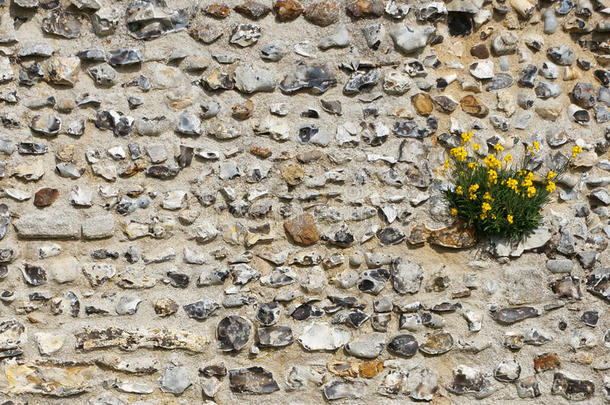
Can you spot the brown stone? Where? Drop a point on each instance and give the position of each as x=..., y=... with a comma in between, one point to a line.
x=343, y=368
x=65, y=153
x=456, y=236
x=422, y=103
x=366, y=8
x=260, y=151
x=165, y=307
x=302, y=229
x=45, y=197
x=370, y=369
x=287, y=10
x=322, y=12
x=546, y=361
x=243, y=111
x=473, y=106
x=252, y=9
x=480, y=51
x=292, y=174
x=218, y=10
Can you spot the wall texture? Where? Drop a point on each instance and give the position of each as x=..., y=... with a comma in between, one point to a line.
x=238, y=203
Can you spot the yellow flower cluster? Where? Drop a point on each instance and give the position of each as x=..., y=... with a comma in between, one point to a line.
x=534, y=148
x=472, y=191
x=550, y=186
x=509, y=218
x=485, y=207
x=459, y=190
x=454, y=212
x=473, y=165
x=459, y=153
x=512, y=184
x=466, y=137
x=491, y=162
x=498, y=147
x=551, y=175
x=576, y=150
x=487, y=196
x=531, y=191
x=492, y=176
x=528, y=180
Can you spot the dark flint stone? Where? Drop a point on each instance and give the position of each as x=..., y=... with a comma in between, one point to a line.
x=215, y=370
x=590, y=318
x=528, y=75
x=149, y=19
x=509, y=316
x=162, y=172
x=411, y=129
x=373, y=281
x=201, y=309
x=598, y=283
x=306, y=311
x=460, y=24
x=564, y=7
x=123, y=57
x=62, y=24
x=332, y=107
x=275, y=336
x=390, y=236
x=603, y=76
x=233, y=333
x=31, y=74
x=360, y=80
x=500, y=81
x=73, y=302
x=268, y=313
x=31, y=148
x=92, y=55
x=185, y=157
x=252, y=380
x=446, y=307
x=404, y=345
x=34, y=275
x=347, y=302
x=572, y=389
x=104, y=254
x=357, y=318
x=177, y=279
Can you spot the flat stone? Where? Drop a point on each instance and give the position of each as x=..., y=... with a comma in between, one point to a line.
x=252, y=380
x=38, y=226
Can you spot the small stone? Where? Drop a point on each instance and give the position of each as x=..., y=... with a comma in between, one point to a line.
x=409, y=40
x=339, y=39
x=404, y=345
x=233, y=333
x=252, y=9
x=245, y=35
x=49, y=342
x=345, y=389
x=482, y=70
x=217, y=10
x=165, y=307
x=287, y=10
x=367, y=347
x=201, y=310
x=316, y=78
x=468, y=381
x=572, y=389
x=480, y=51
x=243, y=111
x=322, y=12
x=175, y=380
x=275, y=336
x=513, y=315
x=253, y=380
x=473, y=106
x=422, y=103
x=127, y=305
x=322, y=337
x=45, y=197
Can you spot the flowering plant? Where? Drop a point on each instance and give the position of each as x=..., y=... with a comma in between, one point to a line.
x=496, y=196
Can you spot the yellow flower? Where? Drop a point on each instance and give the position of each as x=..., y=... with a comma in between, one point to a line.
x=531, y=191
x=459, y=153
x=476, y=146
x=492, y=176
x=485, y=207
x=551, y=175
x=493, y=216
x=466, y=137
x=528, y=180
x=576, y=150
x=483, y=216
x=498, y=147
x=473, y=188
x=491, y=162
x=446, y=164
x=508, y=158
x=472, y=165
x=509, y=218
x=459, y=190
x=550, y=187
x=512, y=184
x=487, y=196
x=536, y=146
x=522, y=172
x=473, y=196
x=454, y=212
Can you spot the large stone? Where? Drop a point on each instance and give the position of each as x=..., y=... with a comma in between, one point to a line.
x=48, y=226
x=302, y=229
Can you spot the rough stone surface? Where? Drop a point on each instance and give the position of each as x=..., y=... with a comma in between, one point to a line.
x=240, y=202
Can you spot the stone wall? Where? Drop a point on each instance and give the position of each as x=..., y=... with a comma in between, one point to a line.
x=237, y=203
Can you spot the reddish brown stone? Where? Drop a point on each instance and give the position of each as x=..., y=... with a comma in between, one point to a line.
x=45, y=197
x=302, y=229
x=252, y=9
x=287, y=10
x=260, y=151
x=243, y=111
x=218, y=10
x=546, y=361
x=366, y=8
